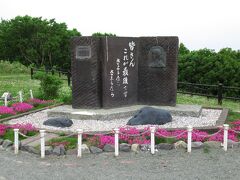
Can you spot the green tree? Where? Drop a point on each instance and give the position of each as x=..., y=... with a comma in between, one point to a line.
x=183, y=50
x=98, y=34
x=37, y=41
x=206, y=66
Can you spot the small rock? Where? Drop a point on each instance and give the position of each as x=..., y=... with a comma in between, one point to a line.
x=10, y=148
x=212, y=144
x=180, y=145
x=31, y=149
x=135, y=147
x=1, y=141
x=7, y=143
x=95, y=150
x=19, y=144
x=59, y=150
x=165, y=146
x=125, y=147
x=197, y=145
x=85, y=149
x=145, y=147
x=72, y=152
x=232, y=144
x=108, y=148
x=48, y=150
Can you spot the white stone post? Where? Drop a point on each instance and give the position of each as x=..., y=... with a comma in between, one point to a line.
x=16, y=140
x=31, y=94
x=225, y=136
x=152, y=129
x=20, y=97
x=79, y=152
x=116, y=138
x=5, y=101
x=189, y=142
x=42, y=135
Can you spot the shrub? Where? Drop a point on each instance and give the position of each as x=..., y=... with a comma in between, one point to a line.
x=21, y=107
x=65, y=95
x=50, y=85
x=7, y=67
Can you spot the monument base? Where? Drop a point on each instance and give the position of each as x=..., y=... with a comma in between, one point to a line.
x=118, y=113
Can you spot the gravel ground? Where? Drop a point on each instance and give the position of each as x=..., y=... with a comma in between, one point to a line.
x=170, y=165
x=208, y=117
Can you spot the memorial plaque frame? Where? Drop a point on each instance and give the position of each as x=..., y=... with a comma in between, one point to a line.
x=93, y=80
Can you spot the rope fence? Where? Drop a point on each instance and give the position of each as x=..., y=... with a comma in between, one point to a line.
x=153, y=132
x=19, y=97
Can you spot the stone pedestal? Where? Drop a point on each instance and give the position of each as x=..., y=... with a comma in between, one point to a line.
x=121, y=112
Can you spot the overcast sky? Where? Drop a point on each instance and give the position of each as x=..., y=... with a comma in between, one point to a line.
x=198, y=23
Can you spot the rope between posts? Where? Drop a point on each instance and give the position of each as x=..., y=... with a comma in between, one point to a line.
x=238, y=132
x=63, y=136
x=209, y=135
x=32, y=141
x=97, y=134
x=67, y=135
x=135, y=135
x=23, y=135
x=157, y=133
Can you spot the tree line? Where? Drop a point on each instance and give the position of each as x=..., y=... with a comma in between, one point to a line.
x=38, y=42
x=205, y=66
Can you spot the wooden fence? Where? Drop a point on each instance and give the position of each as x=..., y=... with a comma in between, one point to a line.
x=219, y=91
x=60, y=73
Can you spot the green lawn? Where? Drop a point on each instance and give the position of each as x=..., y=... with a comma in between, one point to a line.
x=16, y=83
x=188, y=99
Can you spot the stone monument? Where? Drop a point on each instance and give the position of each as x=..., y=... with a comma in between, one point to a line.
x=110, y=72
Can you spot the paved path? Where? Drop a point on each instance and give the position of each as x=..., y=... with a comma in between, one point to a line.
x=175, y=164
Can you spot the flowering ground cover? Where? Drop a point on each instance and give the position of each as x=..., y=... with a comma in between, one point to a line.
x=6, y=131
x=18, y=108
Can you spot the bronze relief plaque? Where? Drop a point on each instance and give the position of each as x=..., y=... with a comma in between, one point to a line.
x=157, y=57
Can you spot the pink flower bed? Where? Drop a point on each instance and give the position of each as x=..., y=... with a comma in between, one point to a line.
x=6, y=110
x=3, y=129
x=23, y=128
x=236, y=123
x=134, y=135
x=36, y=102
x=22, y=107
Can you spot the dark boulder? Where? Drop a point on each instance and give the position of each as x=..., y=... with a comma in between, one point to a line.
x=58, y=122
x=149, y=115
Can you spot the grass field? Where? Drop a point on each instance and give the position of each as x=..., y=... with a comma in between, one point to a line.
x=211, y=102
x=14, y=83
